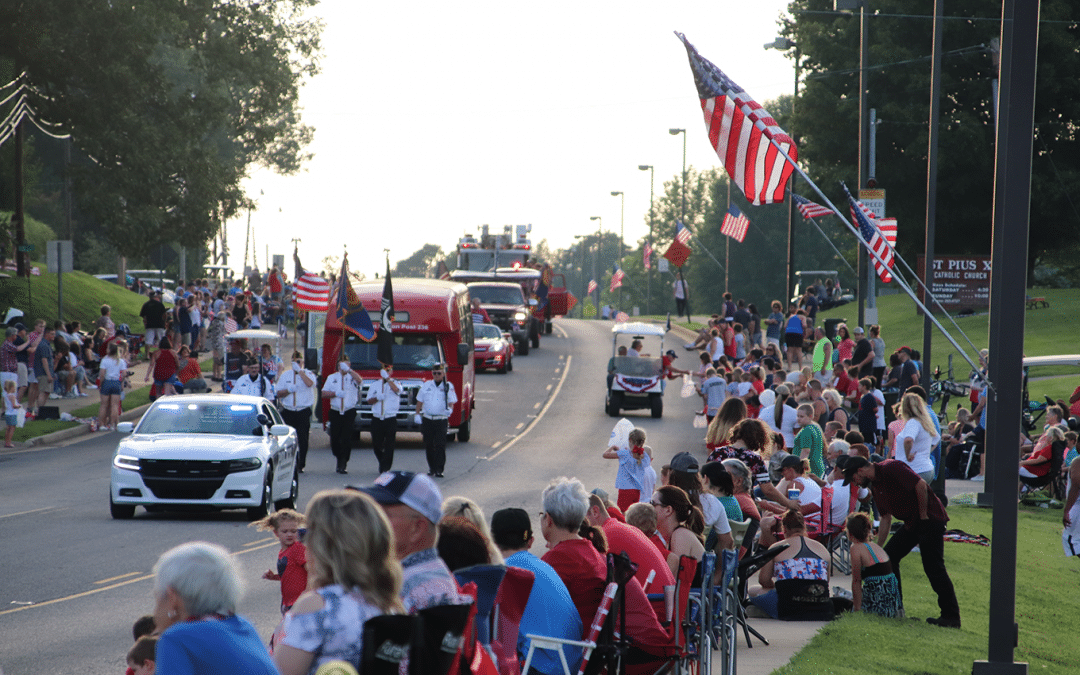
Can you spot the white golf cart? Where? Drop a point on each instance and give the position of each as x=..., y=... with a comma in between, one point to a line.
x=636, y=382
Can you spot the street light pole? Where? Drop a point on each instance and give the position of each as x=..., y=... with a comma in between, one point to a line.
x=783, y=43
x=622, y=216
x=596, y=259
x=648, y=272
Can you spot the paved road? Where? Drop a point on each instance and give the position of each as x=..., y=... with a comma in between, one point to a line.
x=74, y=580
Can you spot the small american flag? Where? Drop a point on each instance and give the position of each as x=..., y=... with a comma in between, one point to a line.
x=876, y=239
x=809, y=209
x=616, y=279
x=682, y=233
x=592, y=286
x=746, y=138
x=679, y=250
x=646, y=255
x=622, y=317
x=311, y=291
x=735, y=224
x=230, y=324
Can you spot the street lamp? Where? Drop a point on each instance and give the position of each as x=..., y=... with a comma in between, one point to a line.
x=648, y=272
x=581, y=267
x=849, y=6
x=676, y=132
x=781, y=44
x=622, y=215
x=596, y=258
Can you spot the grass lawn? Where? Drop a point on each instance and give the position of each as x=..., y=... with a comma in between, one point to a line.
x=1047, y=610
x=83, y=297
x=35, y=428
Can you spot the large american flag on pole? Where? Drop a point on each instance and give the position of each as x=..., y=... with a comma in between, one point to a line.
x=311, y=292
x=746, y=138
x=809, y=209
x=876, y=238
x=735, y=224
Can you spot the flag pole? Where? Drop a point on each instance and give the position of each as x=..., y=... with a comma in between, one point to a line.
x=900, y=280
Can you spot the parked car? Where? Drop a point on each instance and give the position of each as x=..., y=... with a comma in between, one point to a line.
x=210, y=451
x=493, y=348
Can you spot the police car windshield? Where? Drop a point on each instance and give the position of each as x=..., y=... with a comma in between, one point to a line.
x=411, y=352
x=222, y=417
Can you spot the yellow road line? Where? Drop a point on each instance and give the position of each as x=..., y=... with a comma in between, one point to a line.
x=540, y=416
x=122, y=576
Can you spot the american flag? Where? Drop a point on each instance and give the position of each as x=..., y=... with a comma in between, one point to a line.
x=746, y=138
x=622, y=317
x=646, y=256
x=679, y=250
x=809, y=209
x=735, y=224
x=311, y=292
x=616, y=279
x=880, y=241
x=230, y=324
x=592, y=287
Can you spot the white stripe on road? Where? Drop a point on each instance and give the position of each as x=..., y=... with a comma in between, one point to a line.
x=540, y=416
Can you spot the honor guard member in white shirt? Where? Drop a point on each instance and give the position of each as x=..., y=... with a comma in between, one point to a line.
x=253, y=383
x=296, y=395
x=434, y=403
x=384, y=397
x=343, y=390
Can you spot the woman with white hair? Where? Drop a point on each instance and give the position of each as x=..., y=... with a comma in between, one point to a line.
x=576, y=561
x=353, y=575
x=918, y=437
x=196, y=589
x=836, y=408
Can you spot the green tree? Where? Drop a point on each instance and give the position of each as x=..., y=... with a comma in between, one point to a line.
x=421, y=263
x=168, y=103
x=826, y=116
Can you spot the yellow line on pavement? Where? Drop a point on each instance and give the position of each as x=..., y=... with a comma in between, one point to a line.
x=23, y=513
x=540, y=416
x=122, y=576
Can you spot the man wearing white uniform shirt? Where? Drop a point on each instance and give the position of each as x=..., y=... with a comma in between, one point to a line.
x=253, y=384
x=296, y=395
x=343, y=389
x=434, y=403
x=384, y=397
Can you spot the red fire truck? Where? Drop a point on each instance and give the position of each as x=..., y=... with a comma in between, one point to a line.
x=432, y=324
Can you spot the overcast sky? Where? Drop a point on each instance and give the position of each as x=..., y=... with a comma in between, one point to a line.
x=433, y=118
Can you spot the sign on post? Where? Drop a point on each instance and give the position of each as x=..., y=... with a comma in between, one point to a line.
x=958, y=281
x=59, y=259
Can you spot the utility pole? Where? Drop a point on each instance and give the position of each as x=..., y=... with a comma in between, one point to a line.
x=648, y=272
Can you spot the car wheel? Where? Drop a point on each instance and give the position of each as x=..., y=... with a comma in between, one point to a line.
x=260, y=511
x=615, y=403
x=294, y=493
x=523, y=347
x=464, y=432
x=121, y=511
x=657, y=407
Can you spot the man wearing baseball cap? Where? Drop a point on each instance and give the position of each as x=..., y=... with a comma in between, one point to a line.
x=899, y=491
x=413, y=504
x=550, y=611
x=667, y=367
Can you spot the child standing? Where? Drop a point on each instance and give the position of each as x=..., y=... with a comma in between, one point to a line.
x=11, y=405
x=633, y=462
x=292, y=557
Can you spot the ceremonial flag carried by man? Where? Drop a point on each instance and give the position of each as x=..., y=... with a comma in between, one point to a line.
x=385, y=349
x=352, y=315
x=616, y=278
x=311, y=292
x=646, y=255
x=809, y=209
x=735, y=224
x=746, y=138
x=872, y=236
x=679, y=250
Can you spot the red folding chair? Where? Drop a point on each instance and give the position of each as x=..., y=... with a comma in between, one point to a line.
x=510, y=604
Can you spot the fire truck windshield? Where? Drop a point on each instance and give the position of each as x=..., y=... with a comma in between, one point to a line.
x=496, y=295
x=411, y=352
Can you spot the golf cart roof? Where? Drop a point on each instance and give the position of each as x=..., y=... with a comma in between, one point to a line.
x=638, y=328
x=1057, y=360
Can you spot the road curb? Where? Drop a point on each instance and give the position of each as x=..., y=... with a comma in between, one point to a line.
x=81, y=430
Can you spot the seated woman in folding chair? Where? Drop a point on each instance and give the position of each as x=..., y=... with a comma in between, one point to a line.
x=795, y=584
x=1038, y=463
